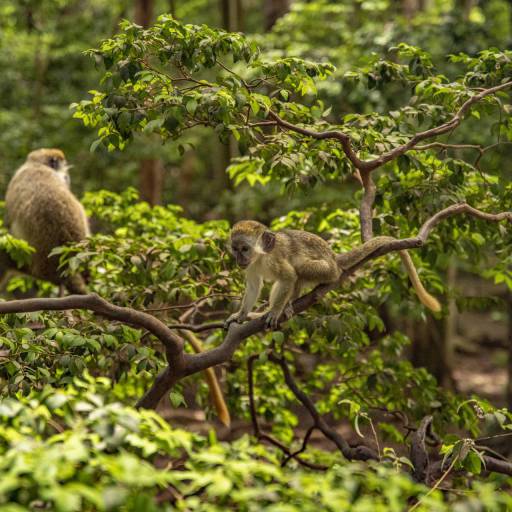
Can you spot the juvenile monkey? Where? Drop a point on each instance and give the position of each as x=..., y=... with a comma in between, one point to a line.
x=41, y=209
x=293, y=259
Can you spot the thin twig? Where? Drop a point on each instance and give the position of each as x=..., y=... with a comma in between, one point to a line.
x=265, y=437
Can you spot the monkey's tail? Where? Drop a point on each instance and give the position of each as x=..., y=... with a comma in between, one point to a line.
x=211, y=379
x=425, y=298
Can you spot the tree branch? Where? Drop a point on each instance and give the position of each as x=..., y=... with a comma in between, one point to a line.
x=360, y=452
x=370, y=165
x=239, y=332
x=182, y=364
x=265, y=437
x=100, y=306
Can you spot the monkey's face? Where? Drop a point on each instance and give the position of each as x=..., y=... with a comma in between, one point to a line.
x=53, y=158
x=242, y=250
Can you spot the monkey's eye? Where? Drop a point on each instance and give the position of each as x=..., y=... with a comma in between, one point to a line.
x=53, y=163
x=244, y=249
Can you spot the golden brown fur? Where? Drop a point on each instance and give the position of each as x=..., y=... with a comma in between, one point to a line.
x=291, y=259
x=43, y=211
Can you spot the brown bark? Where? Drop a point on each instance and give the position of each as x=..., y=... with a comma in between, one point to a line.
x=144, y=12
x=172, y=8
x=151, y=184
x=151, y=175
x=509, y=383
x=273, y=10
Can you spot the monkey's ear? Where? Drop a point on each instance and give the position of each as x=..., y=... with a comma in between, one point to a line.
x=268, y=240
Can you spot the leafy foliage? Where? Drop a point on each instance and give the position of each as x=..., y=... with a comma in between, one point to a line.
x=174, y=77
x=69, y=449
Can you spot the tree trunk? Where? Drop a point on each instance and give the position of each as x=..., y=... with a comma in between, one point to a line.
x=232, y=21
x=273, y=10
x=151, y=183
x=426, y=347
x=465, y=7
x=144, y=12
x=231, y=13
x=410, y=8
x=509, y=383
x=151, y=170
x=450, y=326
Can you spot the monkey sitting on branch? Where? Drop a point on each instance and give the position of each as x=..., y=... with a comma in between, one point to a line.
x=42, y=210
x=291, y=260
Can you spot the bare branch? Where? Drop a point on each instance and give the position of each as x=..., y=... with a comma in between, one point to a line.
x=198, y=327
x=181, y=364
x=442, y=145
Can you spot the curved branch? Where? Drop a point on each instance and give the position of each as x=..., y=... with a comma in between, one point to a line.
x=181, y=364
x=100, y=306
x=370, y=165
x=239, y=332
x=360, y=452
x=92, y=302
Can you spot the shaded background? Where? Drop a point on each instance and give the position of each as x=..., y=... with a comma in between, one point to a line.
x=44, y=71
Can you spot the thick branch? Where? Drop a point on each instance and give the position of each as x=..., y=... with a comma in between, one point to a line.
x=370, y=165
x=92, y=302
x=181, y=364
x=100, y=306
x=239, y=332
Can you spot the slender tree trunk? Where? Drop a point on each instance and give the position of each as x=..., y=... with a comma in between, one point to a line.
x=151, y=184
x=144, y=12
x=509, y=383
x=410, y=8
x=231, y=14
x=450, y=325
x=232, y=20
x=465, y=7
x=273, y=10
x=151, y=175
x=172, y=7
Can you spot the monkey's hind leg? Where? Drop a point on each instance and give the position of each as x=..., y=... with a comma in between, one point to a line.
x=318, y=271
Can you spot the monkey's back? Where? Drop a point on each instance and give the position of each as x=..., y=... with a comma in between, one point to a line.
x=44, y=212
x=299, y=244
